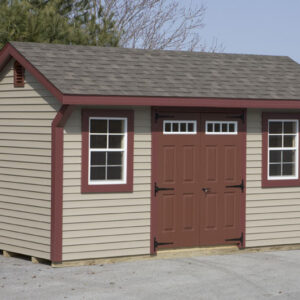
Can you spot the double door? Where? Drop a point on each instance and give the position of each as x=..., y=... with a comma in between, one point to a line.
x=198, y=180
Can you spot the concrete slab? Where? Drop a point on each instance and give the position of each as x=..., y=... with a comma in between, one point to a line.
x=244, y=275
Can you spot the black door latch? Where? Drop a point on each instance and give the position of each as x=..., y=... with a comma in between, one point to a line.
x=157, y=189
x=241, y=186
x=156, y=243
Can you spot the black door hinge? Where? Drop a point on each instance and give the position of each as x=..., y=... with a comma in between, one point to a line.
x=159, y=116
x=240, y=239
x=157, y=189
x=241, y=116
x=156, y=243
x=241, y=186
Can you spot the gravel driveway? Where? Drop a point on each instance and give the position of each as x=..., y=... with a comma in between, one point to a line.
x=265, y=275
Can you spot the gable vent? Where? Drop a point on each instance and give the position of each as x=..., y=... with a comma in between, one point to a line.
x=18, y=75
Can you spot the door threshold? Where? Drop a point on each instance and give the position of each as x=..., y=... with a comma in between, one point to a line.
x=212, y=250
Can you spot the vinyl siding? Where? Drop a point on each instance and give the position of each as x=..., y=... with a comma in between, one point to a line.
x=99, y=225
x=26, y=115
x=272, y=214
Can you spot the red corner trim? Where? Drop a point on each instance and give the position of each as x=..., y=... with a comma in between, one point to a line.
x=275, y=183
x=57, y=181
x=9, y=51
x=85, y=187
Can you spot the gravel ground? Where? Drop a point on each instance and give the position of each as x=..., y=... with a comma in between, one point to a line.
x=265, y=275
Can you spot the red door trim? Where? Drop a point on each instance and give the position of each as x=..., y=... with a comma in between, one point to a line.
x=154, y=213
x=57, y=142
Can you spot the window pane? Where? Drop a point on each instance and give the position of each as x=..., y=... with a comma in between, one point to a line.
x=290, y=127
x=191, y=127
x=175, y=127
x=116, y=126
x=114, y=158
x=114, y=173
x=98, y=158
x=209, y=127
x=289, y=141
x=275, y=156
x=98, y=141
x=97, y=173
x=217, y=127
x=289, y=156
x=275, y=170
x=275, y=141
x=116, y=141
x=98, y=126
x=275, y=127
x=224, y=127
x=183, y=127
x=231, y=127
x=167, y=127
x=288, y=169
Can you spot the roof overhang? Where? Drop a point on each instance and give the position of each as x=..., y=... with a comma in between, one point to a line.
x=8, y=51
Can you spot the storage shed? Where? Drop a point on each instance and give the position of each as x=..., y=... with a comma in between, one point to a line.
x=109, y=152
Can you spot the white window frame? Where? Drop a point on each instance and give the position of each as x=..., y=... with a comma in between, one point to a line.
x=194, y=122
x=221, y=123
x=296, y=148
x=124, y=150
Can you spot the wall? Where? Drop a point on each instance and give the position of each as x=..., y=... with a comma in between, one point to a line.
x=25, y=165
x=272, y=214
x=108, y=224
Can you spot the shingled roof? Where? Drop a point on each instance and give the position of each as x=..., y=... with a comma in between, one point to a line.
x=87, y=70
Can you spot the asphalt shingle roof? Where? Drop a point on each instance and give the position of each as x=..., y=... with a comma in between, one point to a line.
x=90, y=70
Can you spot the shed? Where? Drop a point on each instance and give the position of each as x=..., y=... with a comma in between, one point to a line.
x=110, y=152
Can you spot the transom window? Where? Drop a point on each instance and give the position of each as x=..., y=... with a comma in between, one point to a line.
x=180, y=127
x=282, y=149
x=107, y=150
x=221, y=127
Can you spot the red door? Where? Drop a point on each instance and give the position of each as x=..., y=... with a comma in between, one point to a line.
x=221, y=179
x=197, y=179
x=178, y=144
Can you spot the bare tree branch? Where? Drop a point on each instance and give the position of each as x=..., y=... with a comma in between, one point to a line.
x=158, y=24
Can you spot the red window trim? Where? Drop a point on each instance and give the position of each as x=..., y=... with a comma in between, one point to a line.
x=280, y=182
x=106, y=188
x=18, y=75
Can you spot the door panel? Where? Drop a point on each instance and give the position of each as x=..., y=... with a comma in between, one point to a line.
x=178, y=168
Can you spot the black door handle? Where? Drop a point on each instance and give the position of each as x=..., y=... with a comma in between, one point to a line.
x=205, y=190
x=157, y=189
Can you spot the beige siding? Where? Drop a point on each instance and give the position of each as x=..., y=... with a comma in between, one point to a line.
x=108, y=224
x=25, y=165
x=272, y=214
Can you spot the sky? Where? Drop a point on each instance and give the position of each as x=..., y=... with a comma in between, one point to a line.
x=254, y=26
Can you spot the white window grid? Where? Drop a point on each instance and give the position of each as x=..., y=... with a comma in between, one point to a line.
x=295, y=148
x=124, y=150
x=179, y=122
x=221, y=123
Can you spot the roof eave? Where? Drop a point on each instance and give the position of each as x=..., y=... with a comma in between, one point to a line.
x=9, y=51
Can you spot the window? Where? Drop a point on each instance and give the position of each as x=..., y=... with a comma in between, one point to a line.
x=221, y=127
x=107, y=145
x=18, y=75
x=180, y=127
x=280, y=150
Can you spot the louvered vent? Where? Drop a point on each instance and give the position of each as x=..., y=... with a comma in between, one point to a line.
x=18, y=75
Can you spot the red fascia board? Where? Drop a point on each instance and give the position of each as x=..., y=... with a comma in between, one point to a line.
x=9, y=51
x=180, y=102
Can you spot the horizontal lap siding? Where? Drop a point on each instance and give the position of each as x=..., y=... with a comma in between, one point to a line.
x=272, y=214
x=109, y=224
x=26, y=115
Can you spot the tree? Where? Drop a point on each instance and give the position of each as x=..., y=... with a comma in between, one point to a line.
x=158, y=24
x=55, y=21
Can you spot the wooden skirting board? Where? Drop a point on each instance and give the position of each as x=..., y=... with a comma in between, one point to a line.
x=163, y=254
